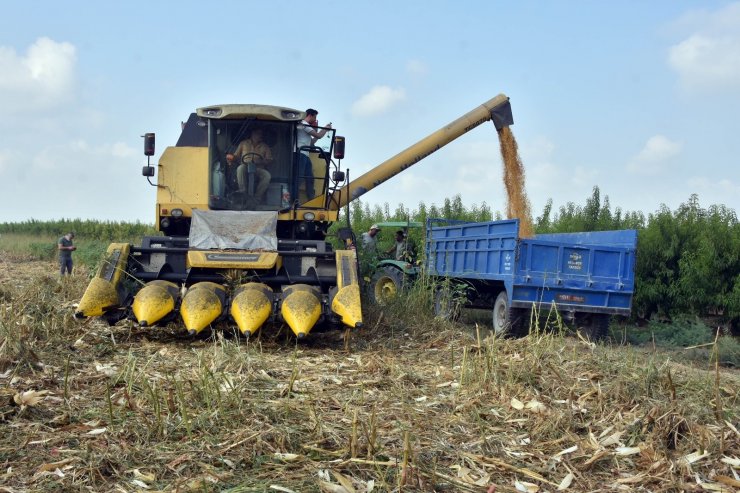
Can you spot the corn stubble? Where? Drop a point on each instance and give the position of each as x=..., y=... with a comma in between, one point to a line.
x=415, y=404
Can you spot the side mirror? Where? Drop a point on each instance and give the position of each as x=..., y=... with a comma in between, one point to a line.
x=337, y=176
x=149, y=145
x=147, y=171
x=338, y=147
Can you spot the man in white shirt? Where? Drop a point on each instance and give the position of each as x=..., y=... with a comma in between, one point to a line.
x=307, y=135
x=369, y=240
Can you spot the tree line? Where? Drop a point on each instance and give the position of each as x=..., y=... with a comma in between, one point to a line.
x=100, y=230
x=688, y=259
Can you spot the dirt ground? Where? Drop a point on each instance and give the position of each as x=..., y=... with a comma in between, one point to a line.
x=423, y=406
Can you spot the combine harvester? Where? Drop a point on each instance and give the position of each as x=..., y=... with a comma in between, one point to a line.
x=256, y=257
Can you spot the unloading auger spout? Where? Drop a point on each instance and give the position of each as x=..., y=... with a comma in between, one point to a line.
x=496, y=109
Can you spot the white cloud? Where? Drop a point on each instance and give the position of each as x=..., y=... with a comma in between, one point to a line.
x=76, y=178
x=475, y=165
x=584, y=177
x=709, y=57
x=119, y=149
x=713, y=190
x=6, y=158
x=42, y=78
x=410, y=182
x=377, y=101
x=704, y=185
x=542, y=175
x=46, y=159
x=538, y=149
x=651, y=159
x=79, y=145
x=416, y=67
x=703, y=61
x=72, y=157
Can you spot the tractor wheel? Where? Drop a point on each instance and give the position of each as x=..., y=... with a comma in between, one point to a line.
x=507, y=320
x=386, y=284
x=446, y=306
x=593, y=326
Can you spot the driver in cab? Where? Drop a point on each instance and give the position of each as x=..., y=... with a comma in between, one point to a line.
x=252, y=152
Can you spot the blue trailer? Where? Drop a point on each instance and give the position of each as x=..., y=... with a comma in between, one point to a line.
x=587, y=277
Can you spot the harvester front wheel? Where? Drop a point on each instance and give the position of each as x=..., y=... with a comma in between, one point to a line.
x=386, y=284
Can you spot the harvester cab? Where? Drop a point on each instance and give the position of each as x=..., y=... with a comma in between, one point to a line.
x=257, y=161
x=244, y=204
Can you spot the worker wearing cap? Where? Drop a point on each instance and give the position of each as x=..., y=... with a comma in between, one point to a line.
x=370, y=240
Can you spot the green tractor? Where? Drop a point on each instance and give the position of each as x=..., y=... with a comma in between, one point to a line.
x=398, y=268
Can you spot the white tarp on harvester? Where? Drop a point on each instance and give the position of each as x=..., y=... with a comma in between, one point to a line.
x=242, y=230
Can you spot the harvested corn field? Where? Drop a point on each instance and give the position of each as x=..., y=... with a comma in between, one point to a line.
x=415, y=406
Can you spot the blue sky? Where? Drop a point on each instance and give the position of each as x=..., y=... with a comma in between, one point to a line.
x=638, y=98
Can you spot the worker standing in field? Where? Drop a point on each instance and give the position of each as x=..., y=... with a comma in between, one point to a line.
x=66, y=247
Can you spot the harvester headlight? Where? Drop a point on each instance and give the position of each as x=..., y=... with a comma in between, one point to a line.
x=165, y=222
x=308, y=216
x=176, y=212
x=212, y=112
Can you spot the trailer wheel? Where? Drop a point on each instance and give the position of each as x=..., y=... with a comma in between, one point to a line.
x=446, y=306
x=507, y=320
x=593, y=326
x=386, y=284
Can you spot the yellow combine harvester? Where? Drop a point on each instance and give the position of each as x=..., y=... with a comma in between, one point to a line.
x=241, y=240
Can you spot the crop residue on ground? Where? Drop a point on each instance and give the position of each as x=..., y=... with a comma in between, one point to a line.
x=420, y=405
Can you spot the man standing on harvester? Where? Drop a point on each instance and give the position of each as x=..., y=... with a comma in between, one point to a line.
x=307, y=136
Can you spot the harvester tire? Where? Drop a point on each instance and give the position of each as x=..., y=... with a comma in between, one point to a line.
x=386, y=284
x=507, y=320
x=593, y=326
